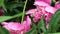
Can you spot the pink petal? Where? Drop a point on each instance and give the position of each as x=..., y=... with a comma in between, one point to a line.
x=57, y=5
x=40, y=3
x=50, y=9
x=15, y=26
x=31, y=11
x=12, y=25
x=27, y=23
x=42, y=6
x=37, y=16
x=47, y=1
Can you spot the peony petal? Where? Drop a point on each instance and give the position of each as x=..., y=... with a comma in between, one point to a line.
x=57, y=5
x=50, y=9
x=47, y=1
x=40, y=3
x=12, y=26
x=27, y=23
x=31, y=11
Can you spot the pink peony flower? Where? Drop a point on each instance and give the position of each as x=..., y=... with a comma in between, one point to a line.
x=46, y=1
x=46, y=9
x=35, y=14
x=57, y=5
x=17, y=28
x=42, y=8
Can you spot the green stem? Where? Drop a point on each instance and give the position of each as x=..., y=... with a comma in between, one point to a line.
x=24, y=11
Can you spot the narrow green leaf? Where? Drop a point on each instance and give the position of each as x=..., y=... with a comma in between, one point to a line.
x=2, y=4
x=42, y=25
x=13, y=5
x=54, y=21
x=4, y=18
x=18, y=15
x=55, y=33
x=3, y=31
x=16, y=10
x=24, y=10
x=4, y=7
x=1, y=1
x=54, y=0
x=33, y=31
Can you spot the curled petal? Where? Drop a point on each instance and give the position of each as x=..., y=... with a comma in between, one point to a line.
x=27, y=23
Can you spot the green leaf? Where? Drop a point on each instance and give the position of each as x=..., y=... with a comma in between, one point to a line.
x=16, y=10
x=54, y=22
x=13, y=5
x=4, y=18
x=4, y=7
x=55, y=33
x=1, y=1
x=42, y=25
x=54, y=0
x=2, y=4
x=33, y=31
x=3, y=31
x=17, y=15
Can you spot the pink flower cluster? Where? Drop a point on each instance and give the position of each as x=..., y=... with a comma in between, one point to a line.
x=43, y=8
x=16, y=27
